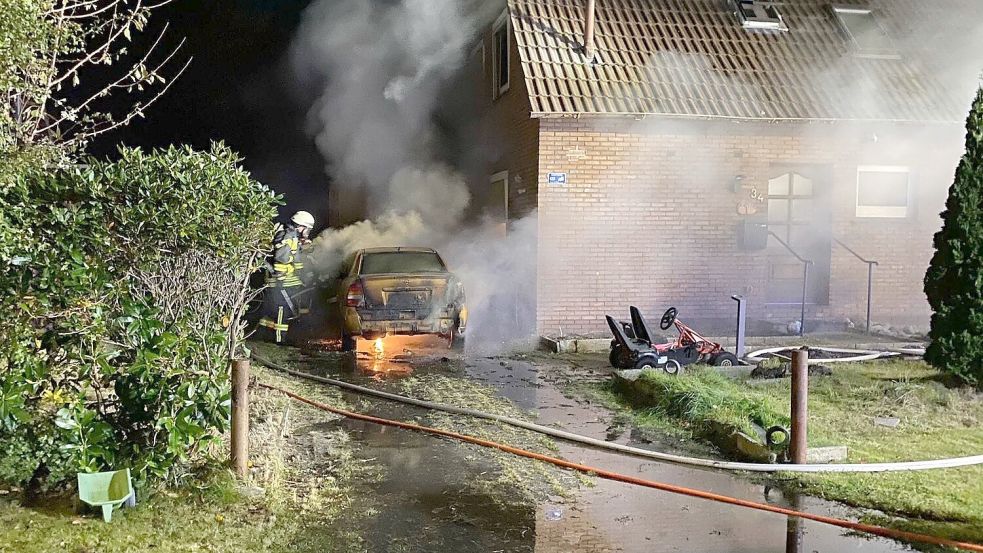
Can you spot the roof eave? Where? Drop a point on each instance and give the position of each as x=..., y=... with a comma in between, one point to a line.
x=700, y=117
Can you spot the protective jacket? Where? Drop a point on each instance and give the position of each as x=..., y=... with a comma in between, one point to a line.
x=287, y=263
x=281, y=298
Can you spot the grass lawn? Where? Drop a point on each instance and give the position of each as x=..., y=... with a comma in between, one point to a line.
x=304, y=501
x=936, y=422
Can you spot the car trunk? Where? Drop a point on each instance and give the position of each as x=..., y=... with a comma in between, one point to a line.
x=405, y=292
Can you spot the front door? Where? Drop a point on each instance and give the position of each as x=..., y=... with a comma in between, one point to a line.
x=497, y=208
x=798, y=213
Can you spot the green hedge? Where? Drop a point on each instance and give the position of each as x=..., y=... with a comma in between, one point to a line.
x=121, y=287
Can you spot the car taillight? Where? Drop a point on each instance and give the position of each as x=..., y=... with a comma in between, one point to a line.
x=356, y=295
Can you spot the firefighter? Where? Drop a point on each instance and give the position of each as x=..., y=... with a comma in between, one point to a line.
x=281, y=303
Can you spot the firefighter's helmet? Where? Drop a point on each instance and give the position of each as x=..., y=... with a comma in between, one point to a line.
x=303, y=219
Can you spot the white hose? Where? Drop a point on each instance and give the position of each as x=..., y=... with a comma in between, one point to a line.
x=691, y=461
x=858, y=355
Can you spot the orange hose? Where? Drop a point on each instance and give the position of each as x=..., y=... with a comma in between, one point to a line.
x=609, y=475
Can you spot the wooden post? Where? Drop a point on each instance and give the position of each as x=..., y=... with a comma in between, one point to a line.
x=240, y=416
x=800, y=406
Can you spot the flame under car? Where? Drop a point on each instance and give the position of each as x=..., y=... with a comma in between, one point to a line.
x=399, y=291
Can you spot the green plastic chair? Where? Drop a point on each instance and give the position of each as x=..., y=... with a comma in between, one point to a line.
x=107, y=490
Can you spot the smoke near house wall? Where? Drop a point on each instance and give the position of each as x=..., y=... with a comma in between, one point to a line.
x=684, y=172
x=380, y=68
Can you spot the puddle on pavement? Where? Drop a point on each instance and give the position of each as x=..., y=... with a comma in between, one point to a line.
x=422, y=502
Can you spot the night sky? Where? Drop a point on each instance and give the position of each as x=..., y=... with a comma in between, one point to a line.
x=238, y=89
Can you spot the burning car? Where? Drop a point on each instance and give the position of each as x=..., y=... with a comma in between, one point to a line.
x=404, y=291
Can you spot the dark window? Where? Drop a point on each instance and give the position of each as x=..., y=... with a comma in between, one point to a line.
x=401, y=262
x=501, y=63
x=756, y=14
x=790, y=205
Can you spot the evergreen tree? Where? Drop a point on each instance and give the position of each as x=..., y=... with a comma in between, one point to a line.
x=954, y=281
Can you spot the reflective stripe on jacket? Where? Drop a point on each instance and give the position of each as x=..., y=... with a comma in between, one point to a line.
x=286, y=262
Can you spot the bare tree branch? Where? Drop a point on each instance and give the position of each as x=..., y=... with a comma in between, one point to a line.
x=83, y=34
x=99, y=51
x=105, y=90
x=84, y=136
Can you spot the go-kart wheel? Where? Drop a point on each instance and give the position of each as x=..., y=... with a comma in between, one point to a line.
x=673, y=367
x=647, y=362
x=724, y=359
x=668, y=318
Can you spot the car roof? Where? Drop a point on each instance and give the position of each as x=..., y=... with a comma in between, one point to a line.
x=398, y=249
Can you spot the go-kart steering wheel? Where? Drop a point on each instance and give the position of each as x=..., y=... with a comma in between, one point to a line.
x=668, y=318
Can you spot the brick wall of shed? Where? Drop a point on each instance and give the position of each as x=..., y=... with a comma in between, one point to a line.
x=649, y=217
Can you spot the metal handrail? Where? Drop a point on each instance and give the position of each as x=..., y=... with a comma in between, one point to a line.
x=805, y=279
x=870, y=276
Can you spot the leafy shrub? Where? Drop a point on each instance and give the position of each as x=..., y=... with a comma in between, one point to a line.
x=122, y=289
x=953, y=283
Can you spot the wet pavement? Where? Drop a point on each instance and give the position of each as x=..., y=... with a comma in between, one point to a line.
x=426, y=500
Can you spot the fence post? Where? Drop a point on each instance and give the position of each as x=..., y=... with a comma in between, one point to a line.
x=741, y=325
x=800, y=406
x=240, y=416
x=805, y=293
x=870, y=288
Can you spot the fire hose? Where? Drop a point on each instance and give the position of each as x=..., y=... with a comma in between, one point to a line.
x=636, y=451
x=609, y=475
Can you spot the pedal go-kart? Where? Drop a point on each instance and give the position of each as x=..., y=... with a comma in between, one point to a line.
x=635, y=345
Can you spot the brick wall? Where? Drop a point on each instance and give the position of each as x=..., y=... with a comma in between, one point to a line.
x=649, y=217
x=508, y=137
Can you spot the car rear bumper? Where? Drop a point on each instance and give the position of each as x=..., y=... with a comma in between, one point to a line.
x=384, y=322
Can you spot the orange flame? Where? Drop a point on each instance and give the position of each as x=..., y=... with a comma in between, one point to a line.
x=380, y=352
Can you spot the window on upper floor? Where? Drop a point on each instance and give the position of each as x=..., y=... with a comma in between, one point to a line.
x=760, y=14
x=883, y=191
x=501, y=48
x=869, y=38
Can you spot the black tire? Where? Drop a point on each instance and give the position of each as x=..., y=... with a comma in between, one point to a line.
x=672, y=368
x=780, y=430
x=725, y=359
x=647, y=361
x=348, y=343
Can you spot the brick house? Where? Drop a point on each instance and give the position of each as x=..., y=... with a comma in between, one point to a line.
x=709, y=145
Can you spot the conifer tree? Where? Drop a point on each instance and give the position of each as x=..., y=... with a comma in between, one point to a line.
x=954, y=280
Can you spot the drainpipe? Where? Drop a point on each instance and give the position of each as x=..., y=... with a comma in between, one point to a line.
x=589, y=31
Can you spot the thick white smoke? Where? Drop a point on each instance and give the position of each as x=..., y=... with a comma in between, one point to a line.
x=381, y=67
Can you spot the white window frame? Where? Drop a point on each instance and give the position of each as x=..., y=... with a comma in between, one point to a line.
x=859, y=50
x=761, y=20
x=502, y=176
x=884, y=211
x=500, y=23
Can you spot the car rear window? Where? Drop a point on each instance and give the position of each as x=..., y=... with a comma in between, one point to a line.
x=401, y=262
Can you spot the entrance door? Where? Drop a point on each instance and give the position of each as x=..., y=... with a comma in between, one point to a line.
x=798, y=213
x=498, y=204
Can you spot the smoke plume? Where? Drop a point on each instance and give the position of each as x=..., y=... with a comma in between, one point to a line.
x=380, y=68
